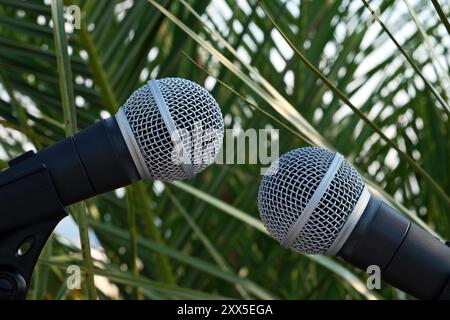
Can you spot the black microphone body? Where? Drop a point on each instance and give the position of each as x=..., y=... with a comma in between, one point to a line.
x=91, y=162
x=409, y=257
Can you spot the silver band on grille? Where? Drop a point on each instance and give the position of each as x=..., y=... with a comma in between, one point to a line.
x=132, y=144
x=170, y=124
x=314, y=201
x=351, y=222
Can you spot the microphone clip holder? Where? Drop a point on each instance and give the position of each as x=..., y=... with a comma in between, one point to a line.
x=30, y=209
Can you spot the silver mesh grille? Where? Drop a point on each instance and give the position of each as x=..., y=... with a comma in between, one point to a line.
x=196, y=116
x=284, y=194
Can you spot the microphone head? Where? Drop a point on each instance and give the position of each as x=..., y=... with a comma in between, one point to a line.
x=310, y=200
x=173, y=128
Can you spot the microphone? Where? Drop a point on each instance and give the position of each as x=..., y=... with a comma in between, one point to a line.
x=169, y=129
x=313, y=201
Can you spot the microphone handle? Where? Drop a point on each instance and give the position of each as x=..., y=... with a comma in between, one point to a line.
x=410, y=258
x=91, y=162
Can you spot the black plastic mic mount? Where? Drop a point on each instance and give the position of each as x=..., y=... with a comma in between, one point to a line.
x=33, y=218
x=37, y=187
